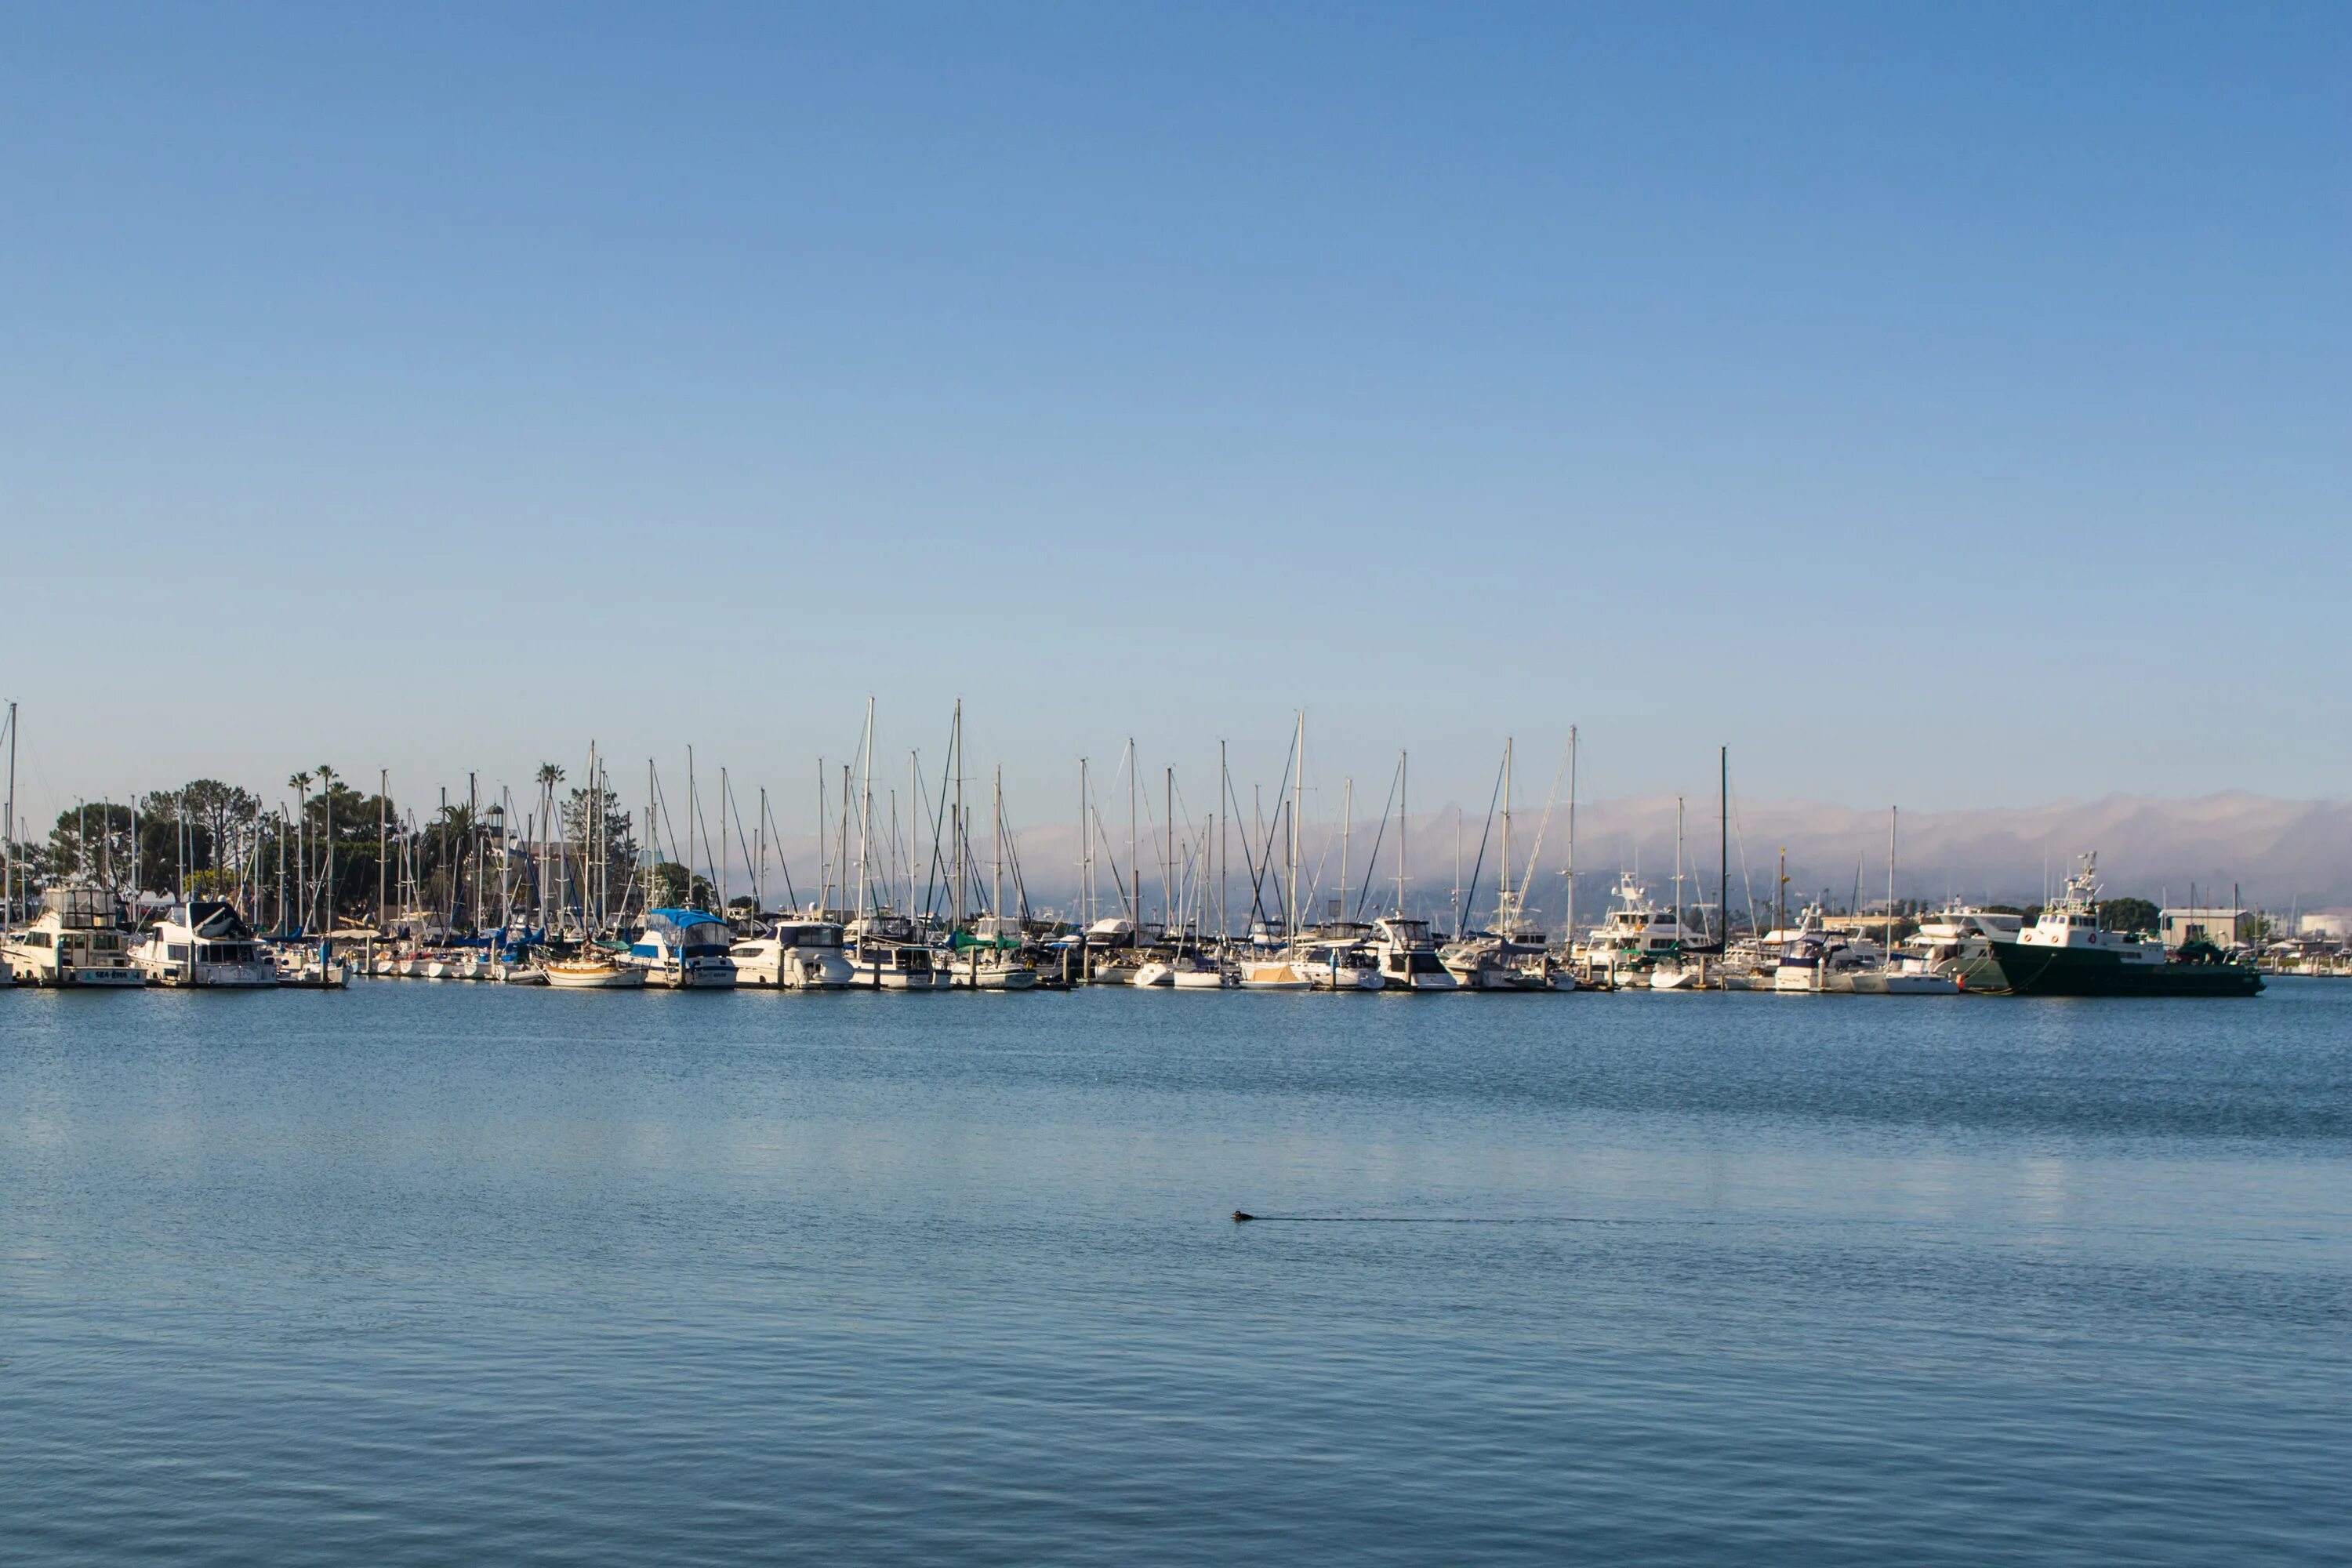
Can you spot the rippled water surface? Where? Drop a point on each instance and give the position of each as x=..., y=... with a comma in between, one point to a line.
x=440, y=1273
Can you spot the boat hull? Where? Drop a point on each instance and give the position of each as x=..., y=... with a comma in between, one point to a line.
x=2032, y=970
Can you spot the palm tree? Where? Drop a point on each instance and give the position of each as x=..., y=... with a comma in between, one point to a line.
x=302, y=783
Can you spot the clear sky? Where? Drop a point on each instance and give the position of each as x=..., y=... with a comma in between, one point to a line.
x=1938, y=406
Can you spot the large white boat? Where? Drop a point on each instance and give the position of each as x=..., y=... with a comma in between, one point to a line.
x=685, y=950
x=1817, y=961
x=1635, y=937
x=77, y=940
x=1337, y=956
x=205, y=942
x=889, y=953
x=799, y=954
x=1406, y=957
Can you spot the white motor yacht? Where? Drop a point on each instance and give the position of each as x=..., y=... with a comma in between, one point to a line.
x=77, y=940
x=1635, y=937
x=1406, y=957
x=799, y=954
x=1337, y=957
x=205, y=942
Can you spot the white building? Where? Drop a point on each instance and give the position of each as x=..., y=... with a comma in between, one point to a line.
x=2222, y=927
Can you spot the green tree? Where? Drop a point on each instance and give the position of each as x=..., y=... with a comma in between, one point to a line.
x=2128, y=915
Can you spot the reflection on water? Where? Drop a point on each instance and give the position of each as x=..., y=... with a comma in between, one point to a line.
x=426, y=1273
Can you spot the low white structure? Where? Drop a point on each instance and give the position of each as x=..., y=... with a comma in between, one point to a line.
x=2222, y=927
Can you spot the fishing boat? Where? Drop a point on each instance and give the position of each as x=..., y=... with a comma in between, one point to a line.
x=77, y=940
x=685, y=950
x=2065, y=953
x=204, y=941
x=799, y=954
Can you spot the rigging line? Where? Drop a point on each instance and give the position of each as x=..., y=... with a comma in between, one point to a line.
x=1373, y=859
x=1470, y=900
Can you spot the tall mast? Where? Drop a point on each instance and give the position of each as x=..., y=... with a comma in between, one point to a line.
x=1167, y=861
x=996, y=873
x=383, y=784
x=1297, y=777
x=1679, y=866
x=956, y=745
x=760, y=871
x=1347, y=823
x=1893, y=812
x=1723, y=852
x=1085, y=853
x=8, y=829
x=1504, y=897
x=1571, y=841
x=865, y=807
x=1134, y=866
x=1402, y=760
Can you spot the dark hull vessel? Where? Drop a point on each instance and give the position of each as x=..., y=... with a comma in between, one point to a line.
x=2030, y=970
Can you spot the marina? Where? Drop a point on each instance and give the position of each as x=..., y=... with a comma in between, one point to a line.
x=203, y=888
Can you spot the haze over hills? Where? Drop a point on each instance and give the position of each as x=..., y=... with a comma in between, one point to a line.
x=2280, y=854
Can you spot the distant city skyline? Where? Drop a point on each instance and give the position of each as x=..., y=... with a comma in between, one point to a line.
x=1942, y=409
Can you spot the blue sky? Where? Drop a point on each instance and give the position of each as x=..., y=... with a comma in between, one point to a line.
x=1946, y=407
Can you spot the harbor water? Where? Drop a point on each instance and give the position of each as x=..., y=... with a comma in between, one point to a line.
x=430, y=1274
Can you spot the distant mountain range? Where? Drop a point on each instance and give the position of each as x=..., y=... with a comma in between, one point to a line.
x=2281, y=855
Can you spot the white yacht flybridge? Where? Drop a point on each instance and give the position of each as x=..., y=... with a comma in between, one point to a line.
x=205, y=942
x=77, y=941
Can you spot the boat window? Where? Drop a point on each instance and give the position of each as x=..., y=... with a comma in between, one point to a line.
x=36, y=938
x=177, y=951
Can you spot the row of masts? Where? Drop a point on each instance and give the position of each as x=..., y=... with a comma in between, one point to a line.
x=584, y=865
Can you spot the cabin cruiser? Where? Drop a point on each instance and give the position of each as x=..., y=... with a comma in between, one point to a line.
x=1482, y=960
x=1406, y=957
x=1636, y=937
x=989, y=957
x=685, y=950
x=799, y=954
x=1956, y=941
x=77, y=941
x=1336, y=957
x=310, y=967
x=889, y=953
x=205, y=942
x=1819, y=962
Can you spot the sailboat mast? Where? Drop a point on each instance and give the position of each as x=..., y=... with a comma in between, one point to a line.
x=1723, y=851
x=1571, y=840
x=1134, y=866
x=996, y=871
x=1298, y=774
x=1347, y=822
x=1679, y=866
x=1893, y=812
x=1168, y=862
x=960, y=837
x=865, y=807
x=1402, y=760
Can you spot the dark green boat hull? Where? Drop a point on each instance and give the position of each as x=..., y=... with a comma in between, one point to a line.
x=2075, y=972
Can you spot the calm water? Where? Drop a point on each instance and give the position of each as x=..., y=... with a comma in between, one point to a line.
x=437, y=1273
